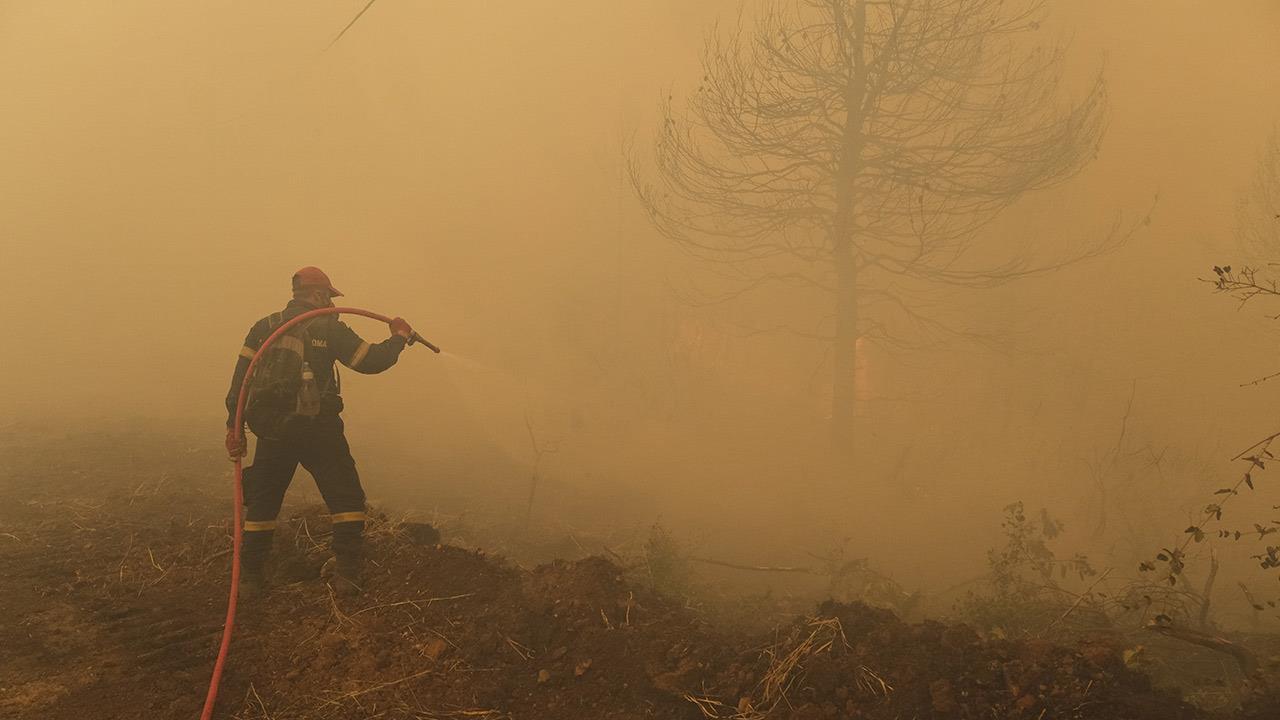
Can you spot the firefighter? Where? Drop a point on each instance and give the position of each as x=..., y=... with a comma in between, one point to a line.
x=317, y=443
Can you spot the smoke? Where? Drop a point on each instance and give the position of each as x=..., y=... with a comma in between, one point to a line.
x=168, y=167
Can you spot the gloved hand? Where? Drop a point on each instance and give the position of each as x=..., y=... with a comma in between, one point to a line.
x=399, y=326
x=236, y=447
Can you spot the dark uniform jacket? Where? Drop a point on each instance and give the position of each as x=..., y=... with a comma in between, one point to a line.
x=331, y=339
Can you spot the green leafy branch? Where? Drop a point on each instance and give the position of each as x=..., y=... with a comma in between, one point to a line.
x=1174, y=559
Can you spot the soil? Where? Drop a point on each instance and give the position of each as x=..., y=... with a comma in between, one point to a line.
x=115, y=587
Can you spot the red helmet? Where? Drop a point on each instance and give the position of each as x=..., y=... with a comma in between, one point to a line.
x=314, y=277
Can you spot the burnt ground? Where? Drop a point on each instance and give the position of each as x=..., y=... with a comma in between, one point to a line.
x=115, y=560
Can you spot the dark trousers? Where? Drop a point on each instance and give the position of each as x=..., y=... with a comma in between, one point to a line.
x=321, y=447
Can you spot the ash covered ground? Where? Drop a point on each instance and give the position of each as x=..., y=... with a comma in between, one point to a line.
x=116, y=574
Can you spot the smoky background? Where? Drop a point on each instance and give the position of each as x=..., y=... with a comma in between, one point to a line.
x=167, y=167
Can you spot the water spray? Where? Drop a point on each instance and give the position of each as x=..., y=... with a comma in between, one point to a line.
x=237, y=531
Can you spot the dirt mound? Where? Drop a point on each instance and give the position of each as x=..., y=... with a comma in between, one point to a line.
x=114, y=603
x=442, y=632
x=119, y=604
x=859, y=662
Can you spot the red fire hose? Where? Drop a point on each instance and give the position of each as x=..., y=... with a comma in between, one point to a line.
x=237, y=531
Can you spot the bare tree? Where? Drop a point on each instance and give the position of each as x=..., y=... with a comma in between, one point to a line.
x=859, y=147
x=1258, y=211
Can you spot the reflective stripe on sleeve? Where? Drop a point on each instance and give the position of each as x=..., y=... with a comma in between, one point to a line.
x=259, y=525
x=358, y=355
x=247, y=352
x=348, y=517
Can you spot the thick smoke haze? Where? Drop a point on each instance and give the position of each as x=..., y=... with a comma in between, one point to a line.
x=167, y=166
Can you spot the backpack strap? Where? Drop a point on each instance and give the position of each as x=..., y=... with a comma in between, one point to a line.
x=294, y=341
x=301, y=332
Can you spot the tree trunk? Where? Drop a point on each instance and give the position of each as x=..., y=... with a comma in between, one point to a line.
x=845, y=383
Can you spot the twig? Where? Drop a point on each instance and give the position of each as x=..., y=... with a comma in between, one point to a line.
x=871, y=683
x=262, y=706
x=306, y=529
x=375, y=688
x=1247, y=660
x=127, y=550
x=414, y=603
x=1263, y=443
x=538, y=452
x=354, y=20
x=136, y=490
x=614, y=555
x=388, y=605
x=333, y=604
x=215, y=556
x=152, y=557
x=1208, y=590
x=450, y=597
x=1260, y=380
x=441, y=635
x=1079, y=599
x=1253, y=604
x=525, y=653
x=710, y=708
x=758, y=568
x=1214, y=511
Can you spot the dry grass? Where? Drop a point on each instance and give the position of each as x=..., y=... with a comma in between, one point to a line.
x=787, y=662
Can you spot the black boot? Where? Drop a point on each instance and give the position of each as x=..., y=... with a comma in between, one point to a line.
x=348, y=551
x=253, y=563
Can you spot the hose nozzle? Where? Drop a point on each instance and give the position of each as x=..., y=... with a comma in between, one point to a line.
x=416, y=338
